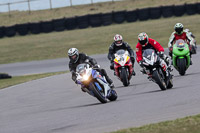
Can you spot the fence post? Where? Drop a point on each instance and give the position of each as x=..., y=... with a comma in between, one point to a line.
x=70, y=2
x=9, y=9
x=50, y=4
x=29, y=7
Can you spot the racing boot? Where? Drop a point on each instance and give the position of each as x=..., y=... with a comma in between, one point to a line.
x=110, y=82
x=190, y=62
x=133, y=73
x=83, y=89
x=169, y=68
x=142, y=71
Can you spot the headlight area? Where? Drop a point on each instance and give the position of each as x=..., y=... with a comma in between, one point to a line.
x=86, y=79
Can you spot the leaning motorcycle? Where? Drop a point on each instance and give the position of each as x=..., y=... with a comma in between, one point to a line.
x=156, y=68
x=123, y=66
x=94, y=83
x=181, y=56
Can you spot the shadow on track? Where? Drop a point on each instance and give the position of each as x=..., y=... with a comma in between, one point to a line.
x=133, y=85
x=86, y=105
x=149, y=92
x=187, y=74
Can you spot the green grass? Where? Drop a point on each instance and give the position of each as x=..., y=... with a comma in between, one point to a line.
x=185, y=125
x=91, y=40
x=21, y=79
x=18, y=17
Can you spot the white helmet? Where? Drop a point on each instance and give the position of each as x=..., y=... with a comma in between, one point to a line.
x=143, y=39
x=118, y=40
x=73, y=54
x=178, y=27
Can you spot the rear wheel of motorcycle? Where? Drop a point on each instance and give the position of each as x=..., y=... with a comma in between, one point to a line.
x=98, y=94
x=113, y=95
x=124, y=77
x=181, y=63
x=159, y=80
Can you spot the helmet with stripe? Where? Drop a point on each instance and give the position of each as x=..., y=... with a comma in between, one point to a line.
x=73, y=54
x=178, y=27
x=118, y=40
x=143, y=39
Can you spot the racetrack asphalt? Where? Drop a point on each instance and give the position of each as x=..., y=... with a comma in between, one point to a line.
x=56, y=105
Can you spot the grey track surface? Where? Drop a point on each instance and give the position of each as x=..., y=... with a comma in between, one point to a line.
x=44, y=66
x=56, y=105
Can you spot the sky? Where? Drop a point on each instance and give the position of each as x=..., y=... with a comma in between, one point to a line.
x=41, y=4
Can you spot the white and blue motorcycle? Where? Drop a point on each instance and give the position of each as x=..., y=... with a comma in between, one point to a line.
x=94, y=83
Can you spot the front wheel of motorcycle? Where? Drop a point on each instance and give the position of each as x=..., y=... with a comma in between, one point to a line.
x=124, y=77
x=181, y=63
x=98, y=94
x=159, y=80
x=170, y=84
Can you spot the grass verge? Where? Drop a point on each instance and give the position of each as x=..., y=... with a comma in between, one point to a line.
x=21, y=79
x=184, y=125
x=18, y=17
x=91, y=40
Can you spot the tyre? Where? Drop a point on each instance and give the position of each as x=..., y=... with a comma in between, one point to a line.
x=99, y=95
x=10, y=31
x=131, y=16
x=22, y=29
x=124, y=77
x=82, y=22
x=35, y=28
x=167, y=11
x=107, y=19
x=155, y=12
x=170, y=84
x=143, y=14
x=159, y=80
x=119, y=17
x=191, y=9
x=2, y=34
x=113, y=95
x=47, y=26
x=179, y=10
x=59, y=24
x=70, y=23
x=95, y=20
x=181, y=64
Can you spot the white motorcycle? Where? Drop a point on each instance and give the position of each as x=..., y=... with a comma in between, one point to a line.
x=123, y=66
x=94, y=83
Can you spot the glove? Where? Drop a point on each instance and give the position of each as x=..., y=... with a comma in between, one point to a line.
x=161, y=54
x=141, y=63
x=96, y=66
x=170, y=49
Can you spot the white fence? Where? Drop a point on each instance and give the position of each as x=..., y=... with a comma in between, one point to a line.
x=30, y=5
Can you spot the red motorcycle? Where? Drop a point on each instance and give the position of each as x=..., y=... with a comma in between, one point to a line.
x=123, y=66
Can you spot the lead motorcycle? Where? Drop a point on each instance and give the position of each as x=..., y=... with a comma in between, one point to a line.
x=123, y=66
x=94, y=83
x=155, y=67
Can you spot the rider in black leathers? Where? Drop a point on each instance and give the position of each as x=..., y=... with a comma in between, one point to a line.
x=77, y=58
x=117, y=45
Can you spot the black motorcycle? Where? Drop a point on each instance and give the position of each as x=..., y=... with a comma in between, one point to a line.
x=156, y=69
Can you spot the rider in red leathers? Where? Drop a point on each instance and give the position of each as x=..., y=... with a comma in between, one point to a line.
x=148, y=43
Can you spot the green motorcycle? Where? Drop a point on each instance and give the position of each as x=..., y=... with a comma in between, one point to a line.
x=181, y=56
